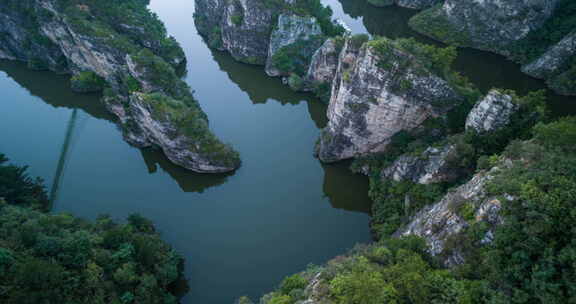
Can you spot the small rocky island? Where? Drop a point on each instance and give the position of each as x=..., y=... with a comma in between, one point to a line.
x=123, y=50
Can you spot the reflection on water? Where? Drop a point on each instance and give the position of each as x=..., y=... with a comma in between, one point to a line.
x=261, y=88
x=55, y=91
x=337, y=186
x=187, y=180
x=240, y=233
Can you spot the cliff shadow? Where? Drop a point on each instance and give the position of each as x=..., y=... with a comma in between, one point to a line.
x=261, y=88
x=187, y=180
x=54, y=89
x=345, y=189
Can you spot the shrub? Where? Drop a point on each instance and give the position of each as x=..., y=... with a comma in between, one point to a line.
x=85, y=82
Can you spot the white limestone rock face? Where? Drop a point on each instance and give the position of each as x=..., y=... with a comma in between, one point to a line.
x=491, y=25
x=432, y=166
x=323, y=65
x=491, y=113
x=208, y=15
x=414, y=4
x=417, y=4
x=246, y=29
x=63, y=48
x=372, y=100
x=151, y=129
x=554, y=59
x=292, y=30
x=439, y=222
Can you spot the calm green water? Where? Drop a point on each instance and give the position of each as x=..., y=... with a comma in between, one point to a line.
x=241, y=233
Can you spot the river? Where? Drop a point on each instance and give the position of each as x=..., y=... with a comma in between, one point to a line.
x=240, y=233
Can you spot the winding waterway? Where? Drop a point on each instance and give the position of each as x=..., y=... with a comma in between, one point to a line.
x=240, y=233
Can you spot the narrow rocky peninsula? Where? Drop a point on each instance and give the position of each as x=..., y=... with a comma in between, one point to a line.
x=123, y=50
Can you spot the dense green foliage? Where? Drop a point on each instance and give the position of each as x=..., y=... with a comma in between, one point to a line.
x=128, y=24
x=18, y=188
x=62, y=259
x=295, y=58
x=315, y=8
x=87, y=82
x=530, y=260
x=390, y=271
x=396, y=202
x=191, y=122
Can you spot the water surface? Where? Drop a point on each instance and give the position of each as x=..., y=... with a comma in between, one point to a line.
x=240, y=233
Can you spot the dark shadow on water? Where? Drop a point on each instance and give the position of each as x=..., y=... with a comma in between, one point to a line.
x=338, y=182
x=486, y=70
x=55, y=91
x=261, y=88
x=187, y=180
x=344, y=189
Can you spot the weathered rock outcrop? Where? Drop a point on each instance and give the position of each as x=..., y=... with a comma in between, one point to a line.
x=414, y=4
x=551, y=62
x=295, y=36
x=554, y=63
x=375, y=95
x=417, y=4
x=241, y=27
x=432, y=166
x=73, y=40
x=491, y=25
x=324, y=64
x=491, y=113
x=457, y=210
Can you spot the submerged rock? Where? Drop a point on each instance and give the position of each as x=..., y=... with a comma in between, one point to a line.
x=491, y=113
x=293, y=42
x=379, y=90
x=491, y=25
x=431, y=166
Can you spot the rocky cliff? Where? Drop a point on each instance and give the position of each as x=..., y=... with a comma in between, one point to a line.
x=282, y=35
x=492, y=25
x=414, y=4
x=380, y=89
x=457, y=210
x=294, y=40
x=557, y=65
x=491, y=113
x=241, y=27
x=85, y=40
x=429, y=167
